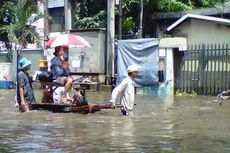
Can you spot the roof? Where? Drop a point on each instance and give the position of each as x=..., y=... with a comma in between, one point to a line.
x=198, y=17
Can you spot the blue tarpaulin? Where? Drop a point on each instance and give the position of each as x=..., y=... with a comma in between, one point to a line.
x=144, y=54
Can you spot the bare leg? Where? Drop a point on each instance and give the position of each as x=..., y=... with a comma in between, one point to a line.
x=68, y=85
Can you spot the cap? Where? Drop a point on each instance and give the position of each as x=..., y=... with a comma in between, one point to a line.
x=132, y=68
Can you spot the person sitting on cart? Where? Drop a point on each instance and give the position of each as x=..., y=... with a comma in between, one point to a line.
x=59, y=73
x=25, y=94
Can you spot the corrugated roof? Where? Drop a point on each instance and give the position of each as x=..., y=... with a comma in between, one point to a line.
x=198, y=17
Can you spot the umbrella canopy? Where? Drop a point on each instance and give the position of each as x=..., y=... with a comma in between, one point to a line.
x=67, y=40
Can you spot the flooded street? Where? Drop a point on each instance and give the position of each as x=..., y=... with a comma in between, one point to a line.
x=179, y=124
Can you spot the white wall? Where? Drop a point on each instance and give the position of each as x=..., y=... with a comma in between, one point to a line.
x=203, y=32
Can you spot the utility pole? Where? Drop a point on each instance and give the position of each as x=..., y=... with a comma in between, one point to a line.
x=68, y=17
x=110, y=38
x=141, y=20
x=120, y=20
x=46, y=21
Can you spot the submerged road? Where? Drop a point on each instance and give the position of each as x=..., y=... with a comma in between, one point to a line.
x=169, y=125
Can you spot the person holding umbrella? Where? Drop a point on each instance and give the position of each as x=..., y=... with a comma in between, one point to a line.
x=25, y=89
x=59, y=72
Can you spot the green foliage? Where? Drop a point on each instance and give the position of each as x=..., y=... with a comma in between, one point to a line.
x=95, y=17
x=207, y=3
x=182, y=5
x=173, y=5
x=130, y=10
x=15, y=26
x=97, y=21
x=90, y=17
x=92, y=14
x=128, y=25
x=179, y=93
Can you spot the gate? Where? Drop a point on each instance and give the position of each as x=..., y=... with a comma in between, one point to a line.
x=204, y=69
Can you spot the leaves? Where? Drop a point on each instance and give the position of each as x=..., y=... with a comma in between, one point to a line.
x=97, y=21
x=16, y=25
x=173, y=5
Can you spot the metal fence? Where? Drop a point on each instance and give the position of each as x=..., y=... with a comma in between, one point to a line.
x=204, y=69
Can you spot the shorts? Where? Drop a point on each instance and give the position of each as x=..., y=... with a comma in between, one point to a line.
x=61, y=80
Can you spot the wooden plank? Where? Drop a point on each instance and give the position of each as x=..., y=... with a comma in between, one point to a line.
x=196, y=77
x=222, y=67
x=190, y=71
x=211, y=71
x=206, y=51
x=219, y=70
x=68, y=108
x=187, y=74
x=226, y=68
x=214, y=76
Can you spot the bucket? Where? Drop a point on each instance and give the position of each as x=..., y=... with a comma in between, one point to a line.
x=43, y=65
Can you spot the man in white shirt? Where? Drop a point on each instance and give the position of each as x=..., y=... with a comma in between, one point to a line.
x=124, y=92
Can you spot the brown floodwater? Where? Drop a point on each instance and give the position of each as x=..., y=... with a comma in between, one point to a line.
x=167, y=125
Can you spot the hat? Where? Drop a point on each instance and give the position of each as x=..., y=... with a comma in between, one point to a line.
x=132, y=68
x=24, y=62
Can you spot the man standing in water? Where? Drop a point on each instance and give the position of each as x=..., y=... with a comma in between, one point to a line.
x=125, y=93
x=25, y=89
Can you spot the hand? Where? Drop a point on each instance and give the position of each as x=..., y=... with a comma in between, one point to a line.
x=24, y=107
x=113, y=106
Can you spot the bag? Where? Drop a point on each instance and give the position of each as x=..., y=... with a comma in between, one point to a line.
x=45, y=77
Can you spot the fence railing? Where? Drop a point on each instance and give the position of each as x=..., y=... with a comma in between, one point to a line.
x=204, y=69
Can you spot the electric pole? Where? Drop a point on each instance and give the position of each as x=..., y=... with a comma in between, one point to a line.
x=110, y=38
x=120, y=20
x=141, y=20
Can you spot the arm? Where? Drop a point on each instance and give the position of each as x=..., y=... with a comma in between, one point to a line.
x=56, y=67
x=58, y=70
x=117, y=92
x=226, y=94
x=23, y=105
x=21, y=94
x=227, y=91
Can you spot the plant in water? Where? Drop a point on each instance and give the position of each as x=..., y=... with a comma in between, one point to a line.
x=180, y=93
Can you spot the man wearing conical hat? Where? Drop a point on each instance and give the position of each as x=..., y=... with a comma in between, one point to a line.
x=124, y=93
x=24, y=82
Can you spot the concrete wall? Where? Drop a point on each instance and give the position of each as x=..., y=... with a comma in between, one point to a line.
x=94, y=57
x=203, y=32
x=166, y=48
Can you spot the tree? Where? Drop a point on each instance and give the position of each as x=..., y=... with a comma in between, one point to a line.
x=15, y=26
x=87, y=16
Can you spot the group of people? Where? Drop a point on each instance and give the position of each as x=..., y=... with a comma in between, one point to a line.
x=60, y=73
x=124, y=93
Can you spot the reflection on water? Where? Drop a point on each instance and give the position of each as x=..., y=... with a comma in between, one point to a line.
x=179, y=124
